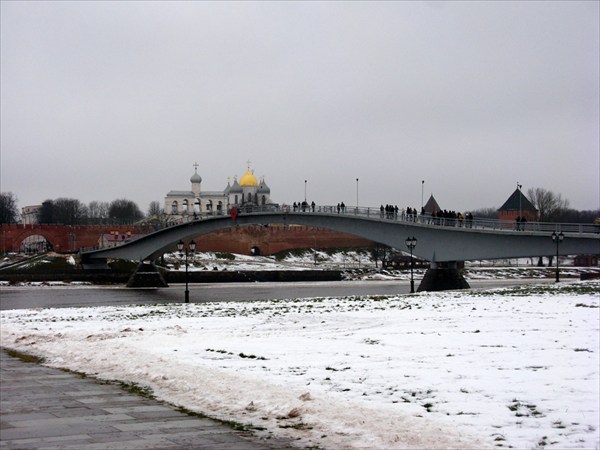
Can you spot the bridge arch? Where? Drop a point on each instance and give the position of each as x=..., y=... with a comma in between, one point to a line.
x=55, y=241
x=35, y=243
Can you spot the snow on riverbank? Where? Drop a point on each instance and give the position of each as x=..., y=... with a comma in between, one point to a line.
x=501, y=368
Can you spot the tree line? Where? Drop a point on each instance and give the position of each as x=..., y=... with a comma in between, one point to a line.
x=70, y=211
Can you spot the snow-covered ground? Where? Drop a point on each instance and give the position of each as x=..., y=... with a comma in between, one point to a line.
x=302, y=260
x=512, y=368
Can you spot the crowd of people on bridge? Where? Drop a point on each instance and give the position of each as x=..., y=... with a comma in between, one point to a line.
x=442, y=217
x=520, y=223
x=304, y=206
x=450, y=218
x=389, y=211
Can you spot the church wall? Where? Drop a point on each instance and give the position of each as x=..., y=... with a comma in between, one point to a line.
x=196, y=201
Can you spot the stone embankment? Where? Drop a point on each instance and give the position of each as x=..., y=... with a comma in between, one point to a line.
x=113, y=277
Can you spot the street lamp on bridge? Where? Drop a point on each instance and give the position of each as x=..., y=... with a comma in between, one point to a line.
x=305, y=190
x=557, y=238
x=411, y=243
x=519, y=186
x=192, y=248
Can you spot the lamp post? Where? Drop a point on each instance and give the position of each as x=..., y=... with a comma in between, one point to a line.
x=411, y=243
x=422, y=187
x=191, y=247
x=305, y=190
x=357, y=195
x=557, y=238
x=519, y=186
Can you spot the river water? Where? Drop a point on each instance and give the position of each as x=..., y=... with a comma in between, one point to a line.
x=83, y=295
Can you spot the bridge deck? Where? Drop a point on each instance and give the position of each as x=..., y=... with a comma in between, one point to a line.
x=439, y=239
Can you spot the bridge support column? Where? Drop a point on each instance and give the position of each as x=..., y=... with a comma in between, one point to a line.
x=146, y=275
x=443, y=278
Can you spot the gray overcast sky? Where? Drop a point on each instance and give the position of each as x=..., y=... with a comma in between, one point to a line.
x=107, y=100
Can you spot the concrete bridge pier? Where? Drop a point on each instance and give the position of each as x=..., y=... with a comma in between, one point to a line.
x=146, y=275
x=443, y=277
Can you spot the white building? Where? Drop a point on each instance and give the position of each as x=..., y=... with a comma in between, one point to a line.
x=247, y=192
x=29, y=214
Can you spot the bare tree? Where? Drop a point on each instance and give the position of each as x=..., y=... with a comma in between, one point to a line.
x=380, y=252
x=9, y=212
x=124, y=212
x=154, y=209
x=98, y=212
x=550, y=206
x=66, y=211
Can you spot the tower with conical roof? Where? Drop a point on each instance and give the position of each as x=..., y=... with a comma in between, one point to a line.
x=517, y=205
x=431, y=206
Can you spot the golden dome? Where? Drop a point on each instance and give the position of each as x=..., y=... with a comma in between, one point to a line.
x=248, y=179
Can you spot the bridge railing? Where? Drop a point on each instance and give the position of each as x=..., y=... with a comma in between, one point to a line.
x=427, y=219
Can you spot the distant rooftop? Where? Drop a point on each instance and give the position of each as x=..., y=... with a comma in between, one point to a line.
x=517, y=201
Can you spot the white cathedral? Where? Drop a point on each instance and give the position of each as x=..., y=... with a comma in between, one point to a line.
x=247, y=192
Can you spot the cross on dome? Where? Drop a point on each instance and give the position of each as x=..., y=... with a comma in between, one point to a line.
x=196, y=178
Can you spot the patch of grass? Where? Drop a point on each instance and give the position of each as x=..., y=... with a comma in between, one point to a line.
x=243, y=355
x=522, y=409
x=25, y=357
x=225, y=352
x=223, y=255
x=237, y=426
x=297, y=426
x=297, y=252
x=75, y=372
x=428, y=406
x=136, y=389
x=550, y=289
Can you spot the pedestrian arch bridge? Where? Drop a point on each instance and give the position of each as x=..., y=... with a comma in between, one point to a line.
x=438, y=240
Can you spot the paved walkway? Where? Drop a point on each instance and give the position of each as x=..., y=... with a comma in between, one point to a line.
x=45, y=408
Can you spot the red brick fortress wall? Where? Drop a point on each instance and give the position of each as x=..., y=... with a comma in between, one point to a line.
x=275, y=238
x=242, y=240
x=64, y=238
